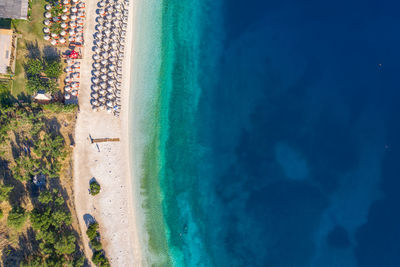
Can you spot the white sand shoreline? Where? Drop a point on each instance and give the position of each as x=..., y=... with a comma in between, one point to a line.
x=118, y=206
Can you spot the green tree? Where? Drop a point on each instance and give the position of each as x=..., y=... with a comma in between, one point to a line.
x=5, y=192
x=99, y=259
x=35, y=83
x=53, y=69
x=1, y=214
x=92, y=230
x=34, y=67
x=16, y=217
x=94, y=188
x=65, y=244
x=96, y=244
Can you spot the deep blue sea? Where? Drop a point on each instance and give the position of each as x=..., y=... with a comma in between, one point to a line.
x=280, y=134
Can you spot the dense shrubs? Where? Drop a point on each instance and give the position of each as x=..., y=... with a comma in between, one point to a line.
x=35, y=81
x=99, y=258
x=94, y=188
x=16, y=217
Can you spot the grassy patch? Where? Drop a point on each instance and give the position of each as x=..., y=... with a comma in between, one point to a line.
x=29, y=44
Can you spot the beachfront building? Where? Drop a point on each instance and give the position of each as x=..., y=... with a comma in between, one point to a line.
x=6, y=50
x=13, y=9
x=42, y=97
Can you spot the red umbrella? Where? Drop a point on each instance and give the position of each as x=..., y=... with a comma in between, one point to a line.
x=74, y=54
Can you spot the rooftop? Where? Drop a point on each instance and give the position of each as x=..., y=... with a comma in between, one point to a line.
x=15, y=9
x=5, y=49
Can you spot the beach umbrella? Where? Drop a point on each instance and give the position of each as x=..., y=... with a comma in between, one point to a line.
x=117, y=6
x=104, y=62
x=114, y=36
x=53, y=42
x=99, y=19
x=104, y=55
x=47, y=15
x=80, y=20
x=114, y=46
x=67, y=79
x=111, y=67
x=109, y=104
x=112, y=59
x=72, y=24
x=106, y=46
x=110, y=74
x=79, y=28
x=54, y=35
x=75, y=84
x=75, y=75
x=55, y=19
x=95, y=102
x=79, y=39
x=102, y=99
x=94, y=94
x=62, y=40
x=48, y=7
x=46, y=22
x=116, y=23
x=71, y=32
x=109, y=17
x=110, y=96
x=64, y=17
x=65, y=2
x=99, y=27
x=102, y=92
x=67, y=96
x=96, y=57
x=96, y=65
x=81, y=13
x=110, y=9
x=111, y=81
x=103, y=85
x=74, y=92
x=69, y=61
x=46, y=37
x=96, y=80
x=65, y=10
x=96, y=72
x=98, y=35
x=71, y=38
x=75, y=1
x=107, y=24
x=102, y=3
x=81, y=5
x=73, y=9
x=107, y=32
x=103, y=77
x=110, y=88
x=73, y=17
x=63, y=25
x=119, y=63
x=63, y=33
x=46, y=30
x=113, y=53
x=100, y=11
x=96, y=49
x=68, y=69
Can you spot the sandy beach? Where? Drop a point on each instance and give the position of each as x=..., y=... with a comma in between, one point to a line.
x=117, y=208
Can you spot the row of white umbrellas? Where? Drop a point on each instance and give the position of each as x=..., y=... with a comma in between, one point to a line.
x=108, y=55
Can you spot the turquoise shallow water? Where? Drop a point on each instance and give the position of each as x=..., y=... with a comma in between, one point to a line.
x=269, y=132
